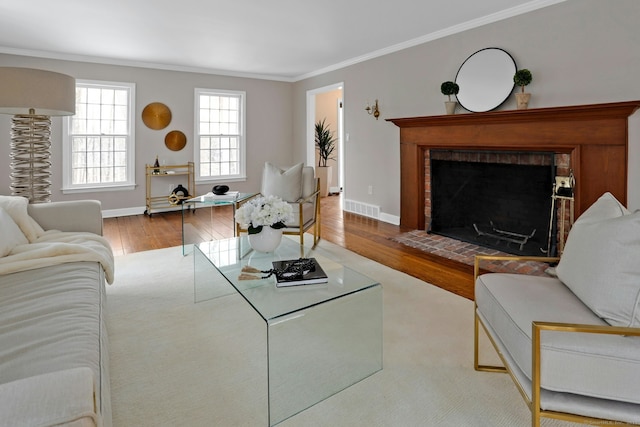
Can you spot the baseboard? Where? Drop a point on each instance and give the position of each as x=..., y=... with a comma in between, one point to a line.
x=371, y=211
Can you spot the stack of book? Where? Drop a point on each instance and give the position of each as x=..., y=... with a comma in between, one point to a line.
x=302, y=271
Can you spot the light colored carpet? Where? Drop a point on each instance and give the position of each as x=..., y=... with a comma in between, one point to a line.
x=176, y=363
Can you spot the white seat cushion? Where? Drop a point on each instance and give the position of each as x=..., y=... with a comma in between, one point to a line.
x=601, y=366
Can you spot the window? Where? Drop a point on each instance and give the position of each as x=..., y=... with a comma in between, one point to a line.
x=220, y=141
x=98, y=145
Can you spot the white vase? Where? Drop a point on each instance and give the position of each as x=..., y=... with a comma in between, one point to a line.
x=266, y=240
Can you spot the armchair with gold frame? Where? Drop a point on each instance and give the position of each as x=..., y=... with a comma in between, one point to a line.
x=566, y=406
x=306, y=207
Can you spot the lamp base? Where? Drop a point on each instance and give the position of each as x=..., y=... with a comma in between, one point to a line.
x=31, y=157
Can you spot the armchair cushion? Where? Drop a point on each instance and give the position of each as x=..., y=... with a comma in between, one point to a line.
x=600, y=262
x=284, y=183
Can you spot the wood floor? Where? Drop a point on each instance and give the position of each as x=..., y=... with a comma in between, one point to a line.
x=365, y=236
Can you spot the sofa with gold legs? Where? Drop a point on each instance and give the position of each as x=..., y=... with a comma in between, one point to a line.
x=571, y=343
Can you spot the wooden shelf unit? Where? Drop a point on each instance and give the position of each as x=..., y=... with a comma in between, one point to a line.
x=167, y=173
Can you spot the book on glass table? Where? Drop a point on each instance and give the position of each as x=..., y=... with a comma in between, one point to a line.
x=302, y=271
x=228, y=196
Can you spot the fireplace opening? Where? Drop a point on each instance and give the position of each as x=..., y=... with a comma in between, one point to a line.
x=500, y=200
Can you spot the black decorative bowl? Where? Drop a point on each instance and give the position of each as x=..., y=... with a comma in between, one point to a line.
x=220, y=189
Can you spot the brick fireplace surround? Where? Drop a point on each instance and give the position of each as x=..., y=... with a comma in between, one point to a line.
x=595, y=138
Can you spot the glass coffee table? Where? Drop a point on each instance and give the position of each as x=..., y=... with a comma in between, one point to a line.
x=321, y=338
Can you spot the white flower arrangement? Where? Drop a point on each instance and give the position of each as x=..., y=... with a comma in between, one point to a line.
x=263, y=211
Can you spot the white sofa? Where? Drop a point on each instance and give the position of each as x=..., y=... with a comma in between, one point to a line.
x=572, y=343
x=54, y=361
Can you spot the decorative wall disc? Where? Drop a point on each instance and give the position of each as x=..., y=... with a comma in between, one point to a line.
x=156, y=116
x=175, y=140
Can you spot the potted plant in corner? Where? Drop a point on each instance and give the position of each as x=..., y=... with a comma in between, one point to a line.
x=325, y=146
x=522, y=78
x=450, y=88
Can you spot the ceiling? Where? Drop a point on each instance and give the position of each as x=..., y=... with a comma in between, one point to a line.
x=280, y=39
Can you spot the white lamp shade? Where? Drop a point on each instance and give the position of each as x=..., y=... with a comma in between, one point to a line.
x=47, y=93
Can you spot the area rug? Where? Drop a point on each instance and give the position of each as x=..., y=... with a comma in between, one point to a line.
x=178, y=363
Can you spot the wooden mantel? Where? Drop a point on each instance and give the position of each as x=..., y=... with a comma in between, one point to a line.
x=595, y=136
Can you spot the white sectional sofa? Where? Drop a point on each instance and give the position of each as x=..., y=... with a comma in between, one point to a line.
x=572, y=342
x=54, y=360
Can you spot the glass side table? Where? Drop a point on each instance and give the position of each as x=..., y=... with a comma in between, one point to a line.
x=321, y=338
x=212, y=202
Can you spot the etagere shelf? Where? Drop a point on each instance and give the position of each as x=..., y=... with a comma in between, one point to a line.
x=164, y=177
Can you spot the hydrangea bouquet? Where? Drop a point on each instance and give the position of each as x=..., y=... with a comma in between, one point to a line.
x=263, y=211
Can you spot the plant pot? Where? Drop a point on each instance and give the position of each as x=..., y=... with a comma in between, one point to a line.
x=450, y=106
x=324, y=173
x=522, y=100
x=266, y=240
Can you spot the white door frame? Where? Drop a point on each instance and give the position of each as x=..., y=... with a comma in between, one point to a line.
x=311, y=119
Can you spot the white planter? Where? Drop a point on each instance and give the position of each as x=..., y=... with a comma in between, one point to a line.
x=325, y=174
x=450, y=106
x=522, y=100
x=266, y=240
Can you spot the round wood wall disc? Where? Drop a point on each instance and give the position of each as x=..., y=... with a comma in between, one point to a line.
x=156, y=116
x=175, y=140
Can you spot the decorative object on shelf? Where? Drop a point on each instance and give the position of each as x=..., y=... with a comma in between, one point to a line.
x=32, y=97
x=264, y=218
x=375, y=111
x=325, y=146
x=178, y=195
x=156, y=116
x=485, y=79
x=156, y=167
x=175, y=140
x=220, y=190
x=450, y=88
x=522, y=78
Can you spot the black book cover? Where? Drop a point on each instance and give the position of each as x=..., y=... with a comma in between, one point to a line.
x=302, y=271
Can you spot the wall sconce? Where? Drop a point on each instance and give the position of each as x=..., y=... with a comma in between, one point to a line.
x=32, y=97
x=373, y=110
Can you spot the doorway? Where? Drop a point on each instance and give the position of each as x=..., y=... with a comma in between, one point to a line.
x=327, y=103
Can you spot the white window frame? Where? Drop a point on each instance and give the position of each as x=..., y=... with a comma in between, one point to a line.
x=241, y=175
x=67, y=164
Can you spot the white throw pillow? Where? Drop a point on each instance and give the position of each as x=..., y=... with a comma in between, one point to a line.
x=12, y=236
x=284, y=183
x=601, y=261
x=16, y=206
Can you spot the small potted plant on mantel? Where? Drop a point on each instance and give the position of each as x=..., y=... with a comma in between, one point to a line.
x=522, y=78
x=450, y=88
x=325, y=146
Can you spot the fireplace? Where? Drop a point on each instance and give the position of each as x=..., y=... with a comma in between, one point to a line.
x=593, y=137
x=496, y=199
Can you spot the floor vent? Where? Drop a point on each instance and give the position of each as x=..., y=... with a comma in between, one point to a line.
x=362, y=209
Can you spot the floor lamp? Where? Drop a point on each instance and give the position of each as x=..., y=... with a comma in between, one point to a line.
x=33, y=96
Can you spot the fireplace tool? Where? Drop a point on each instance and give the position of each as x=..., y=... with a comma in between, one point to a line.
x=563, y=192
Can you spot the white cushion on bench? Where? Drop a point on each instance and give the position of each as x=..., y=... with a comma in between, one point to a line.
x=510, y=303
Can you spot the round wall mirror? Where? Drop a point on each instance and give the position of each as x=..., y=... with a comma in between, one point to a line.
x=485, y=79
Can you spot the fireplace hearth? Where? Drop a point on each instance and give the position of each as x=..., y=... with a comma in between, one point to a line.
x=500, y=200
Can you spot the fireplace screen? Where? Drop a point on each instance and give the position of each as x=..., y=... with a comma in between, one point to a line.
x=505, y=206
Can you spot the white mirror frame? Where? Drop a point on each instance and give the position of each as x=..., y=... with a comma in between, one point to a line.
x=485, y=79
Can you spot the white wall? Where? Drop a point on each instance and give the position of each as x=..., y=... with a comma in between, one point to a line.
x=579, y=51
x=269, y=124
